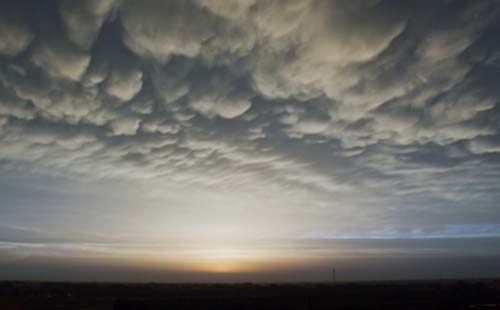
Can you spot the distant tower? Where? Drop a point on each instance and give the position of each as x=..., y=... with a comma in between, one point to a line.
x=333, y=274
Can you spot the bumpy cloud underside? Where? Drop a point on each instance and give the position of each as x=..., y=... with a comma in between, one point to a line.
x=383, y=109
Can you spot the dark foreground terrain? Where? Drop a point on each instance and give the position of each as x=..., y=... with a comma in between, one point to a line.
x=484, y=294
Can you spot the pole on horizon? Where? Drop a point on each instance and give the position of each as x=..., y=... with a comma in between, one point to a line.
x=333, y=275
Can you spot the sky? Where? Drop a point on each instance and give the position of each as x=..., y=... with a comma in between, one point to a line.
x=250, y=140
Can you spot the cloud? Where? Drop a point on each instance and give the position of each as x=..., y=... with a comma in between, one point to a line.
x=325, y=40
x=226, y=108
x=171, y=83
x=124, y=84
x=161, y=127
x=83, y=20
x=218, y=95
x=15, y=36
x=484, y=146
x=13, y=106
x=228, y=9
x=124, y=126
x=60, y=60
x=325, y=109
x=161, y=29
x=451, y=38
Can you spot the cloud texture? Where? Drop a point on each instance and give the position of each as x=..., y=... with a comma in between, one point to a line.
x=359, y=115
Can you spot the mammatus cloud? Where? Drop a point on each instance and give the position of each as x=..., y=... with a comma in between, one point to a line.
x=15, y=36
x=82, y=20
x=367, y=114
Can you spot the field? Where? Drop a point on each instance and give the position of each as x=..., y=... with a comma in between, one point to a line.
x=450, y=294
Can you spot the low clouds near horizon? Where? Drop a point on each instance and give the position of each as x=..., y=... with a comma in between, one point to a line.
x=298, y=118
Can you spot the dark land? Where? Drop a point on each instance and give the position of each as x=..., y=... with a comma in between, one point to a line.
x=449, y=294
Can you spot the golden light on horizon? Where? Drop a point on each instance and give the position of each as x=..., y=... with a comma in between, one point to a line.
x=226, y=260
x=222, y=266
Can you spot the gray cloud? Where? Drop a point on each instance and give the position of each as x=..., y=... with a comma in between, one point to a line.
x=15, y=36
x=83, y=20
x=365, y=113
x=60, y=60
x=482, y=146
x=161, y=29
x=124, y=84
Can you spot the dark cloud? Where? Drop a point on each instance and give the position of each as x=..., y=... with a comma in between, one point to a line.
x=365, y=113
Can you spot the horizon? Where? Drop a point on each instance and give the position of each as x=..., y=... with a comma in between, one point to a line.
x=249, y=141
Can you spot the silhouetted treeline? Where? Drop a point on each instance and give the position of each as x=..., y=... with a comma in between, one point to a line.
x=375, y=295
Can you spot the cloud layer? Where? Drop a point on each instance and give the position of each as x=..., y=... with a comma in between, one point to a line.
x=359, y=115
